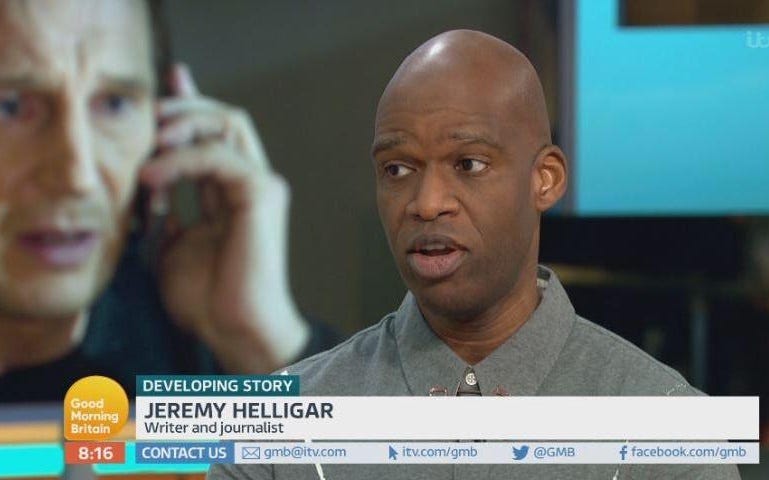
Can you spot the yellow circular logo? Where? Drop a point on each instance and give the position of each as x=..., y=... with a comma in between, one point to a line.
x=95, y=408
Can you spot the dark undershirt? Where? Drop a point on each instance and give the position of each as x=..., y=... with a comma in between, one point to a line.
x=129, y=333
x=49, y=381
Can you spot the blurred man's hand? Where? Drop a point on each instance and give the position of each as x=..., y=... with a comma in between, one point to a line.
x=225, y=277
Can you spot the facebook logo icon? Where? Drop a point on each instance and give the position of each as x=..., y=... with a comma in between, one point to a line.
x=623, y=452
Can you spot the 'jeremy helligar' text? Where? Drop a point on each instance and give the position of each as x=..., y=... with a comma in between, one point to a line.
x=267, y=411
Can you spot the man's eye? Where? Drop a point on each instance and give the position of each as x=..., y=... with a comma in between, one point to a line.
x=396, y=170
x=9, y=107
x=112, y=104
x=471, y=165
x=15, y=107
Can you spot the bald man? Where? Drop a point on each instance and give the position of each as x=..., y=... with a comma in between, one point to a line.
x=465, y=167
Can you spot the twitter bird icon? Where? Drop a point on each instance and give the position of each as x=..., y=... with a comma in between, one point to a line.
x=520, y=453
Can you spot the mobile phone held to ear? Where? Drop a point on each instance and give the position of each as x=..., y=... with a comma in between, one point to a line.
x=181, y=201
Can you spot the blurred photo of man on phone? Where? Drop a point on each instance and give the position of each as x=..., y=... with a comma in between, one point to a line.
x=83, y=132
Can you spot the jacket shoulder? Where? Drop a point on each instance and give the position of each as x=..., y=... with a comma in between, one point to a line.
x=596, y=361
x=354, y=367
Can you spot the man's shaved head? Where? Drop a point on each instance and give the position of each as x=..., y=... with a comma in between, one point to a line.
x=462, y=63
x=465, y=167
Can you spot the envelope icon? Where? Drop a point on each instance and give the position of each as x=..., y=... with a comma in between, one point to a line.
x=251, y=453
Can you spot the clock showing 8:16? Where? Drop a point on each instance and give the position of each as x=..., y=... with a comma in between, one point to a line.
x=95, y=410
x=94, y=452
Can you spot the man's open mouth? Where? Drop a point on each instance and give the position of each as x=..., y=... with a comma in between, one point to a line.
x=435, y=249
x=59, y=248
x=434, y=257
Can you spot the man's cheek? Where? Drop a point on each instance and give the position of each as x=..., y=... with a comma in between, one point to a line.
x=122, y=163
x=392, y=227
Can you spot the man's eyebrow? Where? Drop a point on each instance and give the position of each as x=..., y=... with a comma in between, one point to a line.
x=473, y=138
x=131, y=84
x=20, y=81
x=386, y=143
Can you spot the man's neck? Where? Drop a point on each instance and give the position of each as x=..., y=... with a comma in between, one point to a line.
x=474, y=339
x=29, y=342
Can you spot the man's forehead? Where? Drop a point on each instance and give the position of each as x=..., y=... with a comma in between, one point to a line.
x=72, y=34
x=460, y=98
x=439, y=127
x=64, y=19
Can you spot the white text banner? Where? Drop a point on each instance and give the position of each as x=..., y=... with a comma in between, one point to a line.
x=447, y=418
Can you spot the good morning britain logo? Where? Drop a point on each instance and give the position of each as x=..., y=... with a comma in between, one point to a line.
x=756, y=39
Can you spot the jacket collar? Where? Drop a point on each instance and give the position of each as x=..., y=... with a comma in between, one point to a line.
x=518, y=366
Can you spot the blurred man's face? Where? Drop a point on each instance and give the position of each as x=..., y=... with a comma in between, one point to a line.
x=76, y=122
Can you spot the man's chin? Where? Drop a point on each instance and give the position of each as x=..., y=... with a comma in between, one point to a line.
x=449, y=299
x=58, y=298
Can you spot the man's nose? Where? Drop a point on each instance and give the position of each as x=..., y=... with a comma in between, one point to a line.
x=70, y=167
x=434, y=196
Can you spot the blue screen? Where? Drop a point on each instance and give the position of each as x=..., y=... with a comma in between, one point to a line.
x=669, y=120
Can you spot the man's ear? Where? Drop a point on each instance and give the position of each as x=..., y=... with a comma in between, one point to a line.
x=549, y=177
